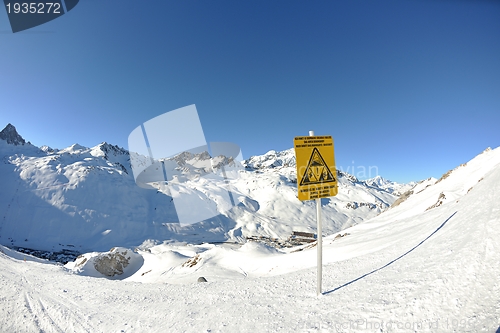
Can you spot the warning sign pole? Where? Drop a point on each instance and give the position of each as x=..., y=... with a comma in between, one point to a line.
x=319, y=240
x=316, y=179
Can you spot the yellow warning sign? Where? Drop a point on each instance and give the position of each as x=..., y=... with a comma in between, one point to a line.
x=316, y=173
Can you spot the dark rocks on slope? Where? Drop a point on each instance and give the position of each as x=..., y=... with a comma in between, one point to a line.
x=10, y=135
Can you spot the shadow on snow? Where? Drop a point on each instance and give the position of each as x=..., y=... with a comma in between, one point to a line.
x=393, y=261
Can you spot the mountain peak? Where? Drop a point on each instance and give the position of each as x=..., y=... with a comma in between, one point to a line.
x=377, y=181
x=272, y=159
x=10, y=135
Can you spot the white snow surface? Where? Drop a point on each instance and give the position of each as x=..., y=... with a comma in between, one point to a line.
x=430, y=264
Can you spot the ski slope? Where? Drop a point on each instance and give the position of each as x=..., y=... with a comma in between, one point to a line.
x=421, y=266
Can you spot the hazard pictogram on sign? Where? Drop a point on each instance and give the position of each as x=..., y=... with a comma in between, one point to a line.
x=317, y=171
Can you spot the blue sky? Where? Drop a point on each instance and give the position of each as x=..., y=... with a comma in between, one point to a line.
x=409, y=87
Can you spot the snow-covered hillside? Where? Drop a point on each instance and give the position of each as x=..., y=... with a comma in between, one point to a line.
x=85, y=199
x=428, y=264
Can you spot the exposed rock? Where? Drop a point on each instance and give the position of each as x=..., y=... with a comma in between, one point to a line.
x=439, y=202
x=112, y=263
x=448, y=173
x=191, y=262
x=10, y=135
x=356, y=205
x=48, y=149
x=109, y=149
x=202, y=279
x=64, y=256
x=402, y=198
x=342, y=235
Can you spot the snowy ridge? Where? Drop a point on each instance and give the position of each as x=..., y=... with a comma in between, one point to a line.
x=388, y=185
x=272, y=159
x=452, y=186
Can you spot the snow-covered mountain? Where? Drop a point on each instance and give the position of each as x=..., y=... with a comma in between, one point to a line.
x=10, y=135
x=282, y=159
x=388, y=185
x=427, y=264
x=430, y=203
x=86, y=199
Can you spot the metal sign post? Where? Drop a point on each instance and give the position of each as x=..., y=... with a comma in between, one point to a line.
x=320, y=245
x=316, y=179
x=320, y=241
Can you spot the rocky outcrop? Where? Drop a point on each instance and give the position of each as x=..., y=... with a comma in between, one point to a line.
x=402, y=198
x=10, y=135
x=439, y=201
x=112, y=263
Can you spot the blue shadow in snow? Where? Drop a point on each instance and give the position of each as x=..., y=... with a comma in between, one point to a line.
x=393, y=261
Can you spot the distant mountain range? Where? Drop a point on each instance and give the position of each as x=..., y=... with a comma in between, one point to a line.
x=86, y=199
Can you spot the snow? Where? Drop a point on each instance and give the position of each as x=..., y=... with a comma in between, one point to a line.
x=411, y=268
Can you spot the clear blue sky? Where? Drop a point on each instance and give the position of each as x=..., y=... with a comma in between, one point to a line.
x=409, y=86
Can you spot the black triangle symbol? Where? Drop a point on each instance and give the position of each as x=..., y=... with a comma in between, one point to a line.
x=317, y=172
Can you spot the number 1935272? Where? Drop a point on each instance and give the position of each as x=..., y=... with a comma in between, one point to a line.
x=34, y=8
